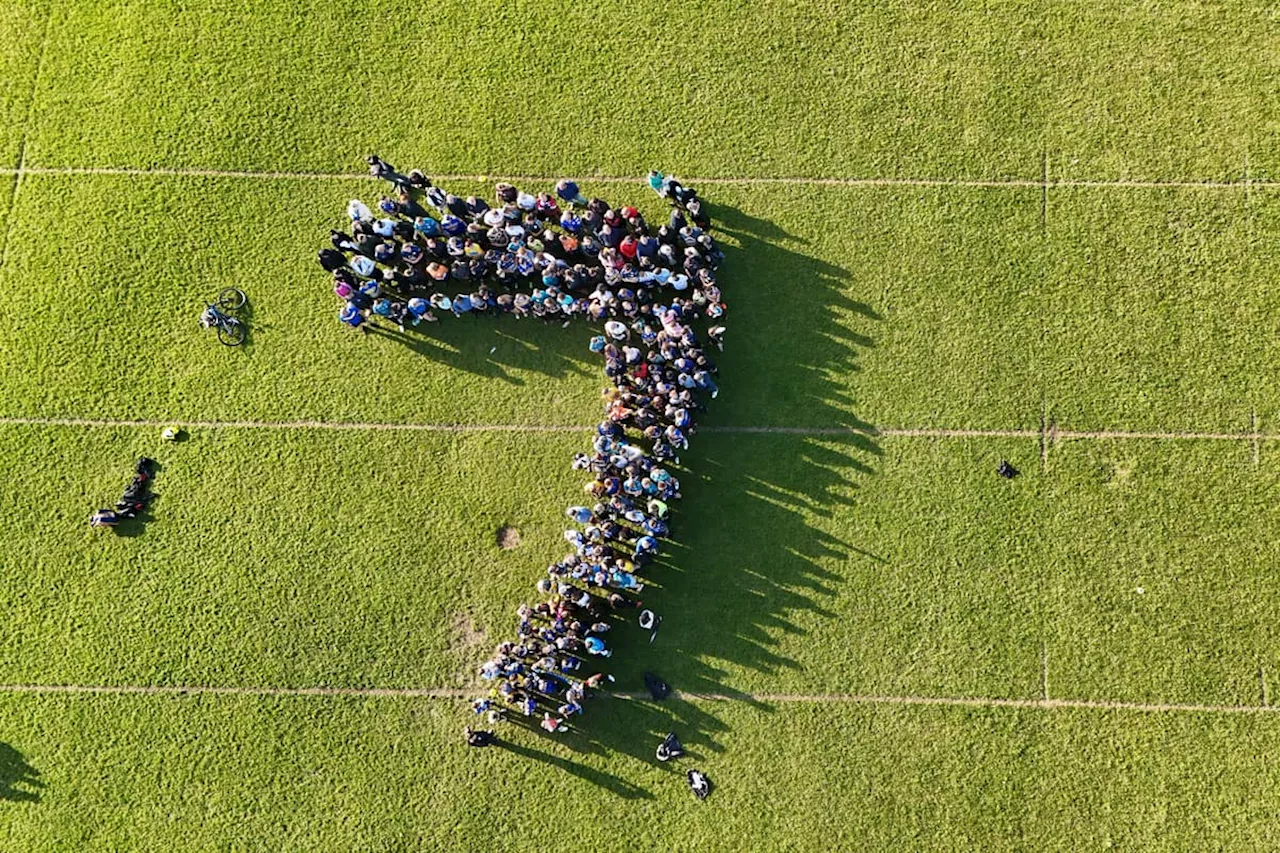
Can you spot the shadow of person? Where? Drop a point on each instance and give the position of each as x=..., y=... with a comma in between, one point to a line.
x=527, y=345
x=752, y=556
x=600, y=778
x=795, y=332
x=19, y=781
x=749, y=567
x=743, y=225
x=751, y=561
x=633, y=724
x=751, y=550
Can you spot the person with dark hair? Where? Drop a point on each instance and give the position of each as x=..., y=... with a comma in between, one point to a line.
x=506, y=193
x=379, y=168
x=331, y=260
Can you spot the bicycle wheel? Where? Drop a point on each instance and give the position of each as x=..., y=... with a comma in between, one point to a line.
x=231, y=332
x=231, y=299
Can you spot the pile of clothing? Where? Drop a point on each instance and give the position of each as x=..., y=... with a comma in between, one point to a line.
x=134, y=500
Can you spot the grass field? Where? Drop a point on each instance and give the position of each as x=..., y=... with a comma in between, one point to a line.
x=955, y=234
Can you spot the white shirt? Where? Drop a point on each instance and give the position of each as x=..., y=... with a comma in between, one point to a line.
x=363, y=265
x=356, y=209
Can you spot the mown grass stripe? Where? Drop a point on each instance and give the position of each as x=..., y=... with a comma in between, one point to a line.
x=18, y=172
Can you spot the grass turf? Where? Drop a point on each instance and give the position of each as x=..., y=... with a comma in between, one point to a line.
x=900, y=293
x=22, y=32
x=799, y=565
x=749, y=88
x=307, y=774
x=278, y=558
x=803, y=564
x=890, y=567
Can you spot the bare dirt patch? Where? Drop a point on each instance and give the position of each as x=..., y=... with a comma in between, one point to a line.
x=508, y=538
x=465, y=633
x=469, y=644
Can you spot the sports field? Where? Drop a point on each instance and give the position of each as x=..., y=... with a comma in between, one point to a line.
x=956, y=233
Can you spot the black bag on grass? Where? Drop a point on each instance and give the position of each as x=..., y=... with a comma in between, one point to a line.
x=670, y=748
x=657, y=688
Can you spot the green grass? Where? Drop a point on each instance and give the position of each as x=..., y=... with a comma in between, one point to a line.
x=859, y=564
x=22, y=27
x=747, y=88
x=901, y=292
x=307, y=774
x=121, y=323
x=281, y=558
x=1265, y=300
x=1151, y=311
x=800, y=565
x=830, y=92
x=1146, y=91
x=1191, y=525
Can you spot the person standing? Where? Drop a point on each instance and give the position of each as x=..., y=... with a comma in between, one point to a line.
x=568, y=192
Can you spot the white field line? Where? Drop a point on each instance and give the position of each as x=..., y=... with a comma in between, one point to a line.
x=753, y=698
x=888, y=432
x=203, y=690
x=1053, y=435
x=1014, y=183
x=291, y=425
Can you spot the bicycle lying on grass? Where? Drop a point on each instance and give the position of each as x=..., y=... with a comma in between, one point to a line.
x=231, y=330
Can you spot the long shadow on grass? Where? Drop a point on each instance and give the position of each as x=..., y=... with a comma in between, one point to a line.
x=748, y=556
x=608, y=781
x=491, y=347
x=19, y=781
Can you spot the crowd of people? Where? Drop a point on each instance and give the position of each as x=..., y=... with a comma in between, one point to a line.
x=421, y=253
x=425, y=253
